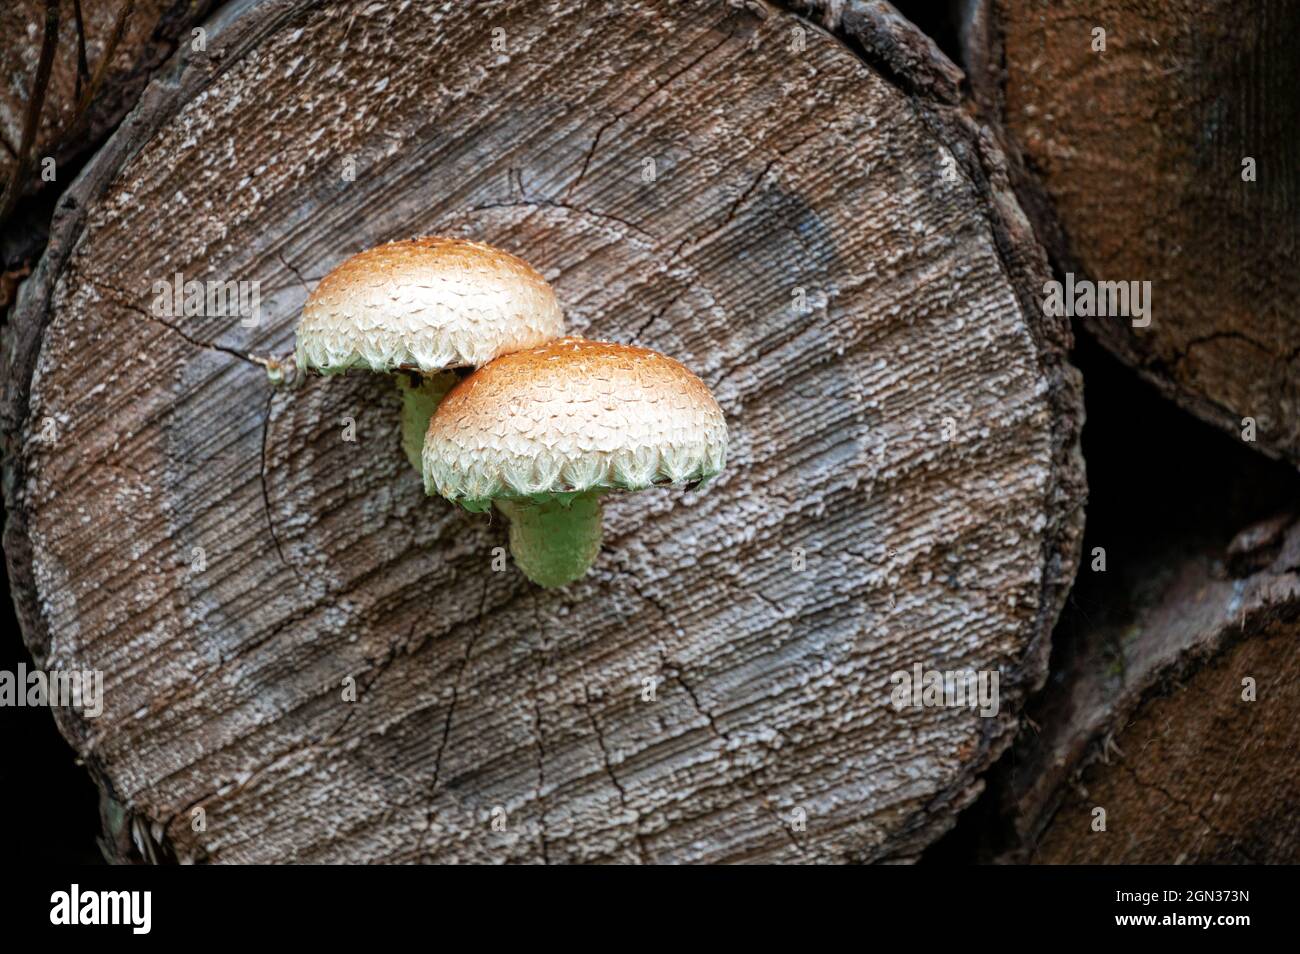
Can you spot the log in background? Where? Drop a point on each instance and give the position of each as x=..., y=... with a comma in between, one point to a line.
x=323, y=560
x=1129, y=162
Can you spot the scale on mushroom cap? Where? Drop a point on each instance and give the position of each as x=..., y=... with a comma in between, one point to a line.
x=545, y=433
x=545, y=427
x=419, y=308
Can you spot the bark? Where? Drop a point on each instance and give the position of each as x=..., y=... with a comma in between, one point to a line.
x=149, y=35
x=84, y=95
x=1153, y=722
x=1130, y=163
x=904, y=485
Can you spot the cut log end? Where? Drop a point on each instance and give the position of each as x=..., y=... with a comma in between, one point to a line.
x=299, y=644
x=1154, y=144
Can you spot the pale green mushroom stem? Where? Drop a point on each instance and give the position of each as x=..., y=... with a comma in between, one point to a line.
x=554, y=540
x=421, y=396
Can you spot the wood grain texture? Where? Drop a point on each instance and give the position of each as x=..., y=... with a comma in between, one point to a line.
x=1132, y=169
x=782, y=176
x=1150, y=722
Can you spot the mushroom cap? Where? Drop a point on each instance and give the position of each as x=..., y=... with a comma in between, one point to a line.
x=569, y=417
x=425, y=304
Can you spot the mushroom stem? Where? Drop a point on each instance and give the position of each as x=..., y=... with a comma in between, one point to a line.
x=420, y=398
x=555, y=540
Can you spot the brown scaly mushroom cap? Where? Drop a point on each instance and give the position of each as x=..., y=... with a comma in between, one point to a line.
x=569, y=417
x=425, y=304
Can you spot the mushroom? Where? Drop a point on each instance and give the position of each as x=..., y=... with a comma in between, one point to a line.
x=418, y=309
x=545, y=433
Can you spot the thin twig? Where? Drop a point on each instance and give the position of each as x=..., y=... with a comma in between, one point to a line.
x=35, y=101
x=102, y=69
x=83, y=68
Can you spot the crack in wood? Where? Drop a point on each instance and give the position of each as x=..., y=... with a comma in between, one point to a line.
x=451, y=708
x=595, y=142
x=266, y=496
x=538, y=734
x=638, y=836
